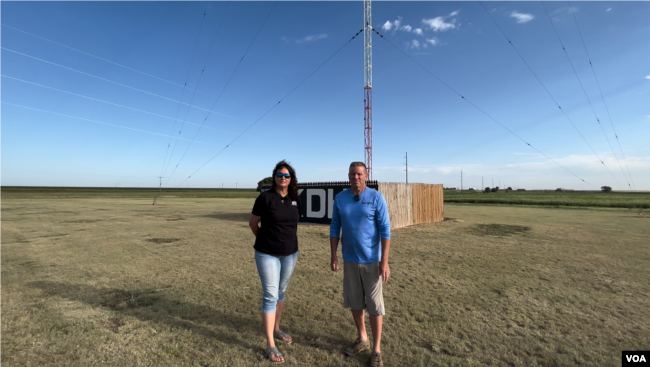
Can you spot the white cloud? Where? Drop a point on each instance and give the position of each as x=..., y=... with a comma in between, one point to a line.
x=647, y=77
x=418, y=31
x=312, y=38
x=433, y=41
x=609, y=9
x=415, y=44
x=438, y=24
x=395, y=25
x=285, y=39
x=522, y=17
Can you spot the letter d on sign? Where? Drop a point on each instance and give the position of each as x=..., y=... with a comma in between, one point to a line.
x=321, y=194
x=636, y=358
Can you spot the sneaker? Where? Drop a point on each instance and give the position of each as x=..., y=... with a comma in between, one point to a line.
x=357, y=347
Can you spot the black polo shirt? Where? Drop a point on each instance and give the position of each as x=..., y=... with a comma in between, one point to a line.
x=279, y=225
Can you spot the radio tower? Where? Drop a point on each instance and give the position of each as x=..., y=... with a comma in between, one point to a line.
x=367, y=89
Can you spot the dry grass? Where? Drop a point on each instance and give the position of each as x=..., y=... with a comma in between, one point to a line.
x=120, y=282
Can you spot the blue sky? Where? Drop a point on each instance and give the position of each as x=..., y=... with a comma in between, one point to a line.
x=107, y=113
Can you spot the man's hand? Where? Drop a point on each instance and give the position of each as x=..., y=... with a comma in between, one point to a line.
x=384, y=270
x=334, y=260
x=335, y=263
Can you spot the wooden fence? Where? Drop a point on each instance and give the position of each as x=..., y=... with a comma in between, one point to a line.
x=410, y=204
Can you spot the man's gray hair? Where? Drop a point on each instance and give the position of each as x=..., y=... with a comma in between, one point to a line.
x=359, y=164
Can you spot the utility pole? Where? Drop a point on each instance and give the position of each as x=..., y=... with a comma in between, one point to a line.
x=482, y=187
x=461, y=180
x=160, y=183
x=407, y=166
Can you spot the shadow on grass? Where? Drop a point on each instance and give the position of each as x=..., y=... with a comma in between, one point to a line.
x=235, y=217
x=151, y=305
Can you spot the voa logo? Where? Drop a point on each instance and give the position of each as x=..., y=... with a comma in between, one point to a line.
x=635, y=358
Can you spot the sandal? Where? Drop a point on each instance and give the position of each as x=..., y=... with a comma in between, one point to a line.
x=357, y=347
x=282, y=336
x=375, y=360
x=275, y=353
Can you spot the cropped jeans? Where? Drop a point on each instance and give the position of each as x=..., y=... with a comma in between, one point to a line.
x=275, y=273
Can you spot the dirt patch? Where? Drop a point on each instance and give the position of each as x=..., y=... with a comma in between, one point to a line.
x=162, y=204
x=497, y=229
x=175, y=219
x=113, y=324
x=162, y=240
x=124, y=300
x=82, y=221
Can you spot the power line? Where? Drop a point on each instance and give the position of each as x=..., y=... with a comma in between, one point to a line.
x=475, y=106
x=224, y=87
x=197, y=86
x=601, y=95
x=110, y=81
x=588, y=100
x=95, y=121
x=103, y=101
x=275, y=105
x=95, y=56
x=547, y=91
x=183, y=94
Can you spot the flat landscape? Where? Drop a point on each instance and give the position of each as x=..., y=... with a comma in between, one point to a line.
x=90, y=279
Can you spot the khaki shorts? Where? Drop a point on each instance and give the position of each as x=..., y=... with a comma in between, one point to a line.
x=362, y=288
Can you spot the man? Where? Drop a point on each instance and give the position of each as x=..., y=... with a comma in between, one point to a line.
x=362, y=214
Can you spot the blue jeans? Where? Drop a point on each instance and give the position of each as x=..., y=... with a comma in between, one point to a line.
x=275, y=273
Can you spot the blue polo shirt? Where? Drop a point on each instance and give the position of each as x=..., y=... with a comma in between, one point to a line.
x=364, y=223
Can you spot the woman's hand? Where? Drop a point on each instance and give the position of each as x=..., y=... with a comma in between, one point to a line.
x=254, y=223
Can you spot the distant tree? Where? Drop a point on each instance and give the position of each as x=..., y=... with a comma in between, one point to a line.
x=495, y=189
x=509, y=188
x=606, y=189
x=471, y=189
x=265, y=182
x=487, y=189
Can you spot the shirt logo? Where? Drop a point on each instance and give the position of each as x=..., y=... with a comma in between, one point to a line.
x=294, y=203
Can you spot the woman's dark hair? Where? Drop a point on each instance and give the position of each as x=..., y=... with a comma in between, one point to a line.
x=293, y=190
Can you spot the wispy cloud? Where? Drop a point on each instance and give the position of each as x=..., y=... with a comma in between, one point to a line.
x=418, y=31
x=647, y=77
x=432, y=41
x=441, y=24
x=521, y=17
x=415, y=44
x=609, y=9
x=312, y=38
x=563, y=13
x=285, y=39
x=406, y=28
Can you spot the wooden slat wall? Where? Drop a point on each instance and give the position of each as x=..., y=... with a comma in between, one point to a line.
x=428, y=201
x=398, y=199
x=410, y=204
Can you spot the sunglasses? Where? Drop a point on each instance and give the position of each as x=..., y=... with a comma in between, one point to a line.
x=279, y=175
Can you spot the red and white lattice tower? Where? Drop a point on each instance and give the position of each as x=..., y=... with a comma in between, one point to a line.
x=367, y=89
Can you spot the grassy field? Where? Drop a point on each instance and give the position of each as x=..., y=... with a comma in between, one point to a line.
x=615, y=199
x=119, y=282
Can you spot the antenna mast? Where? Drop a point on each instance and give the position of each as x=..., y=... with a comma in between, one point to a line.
x=367, y=79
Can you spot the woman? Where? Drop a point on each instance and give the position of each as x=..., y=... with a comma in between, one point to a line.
x=276, y=250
